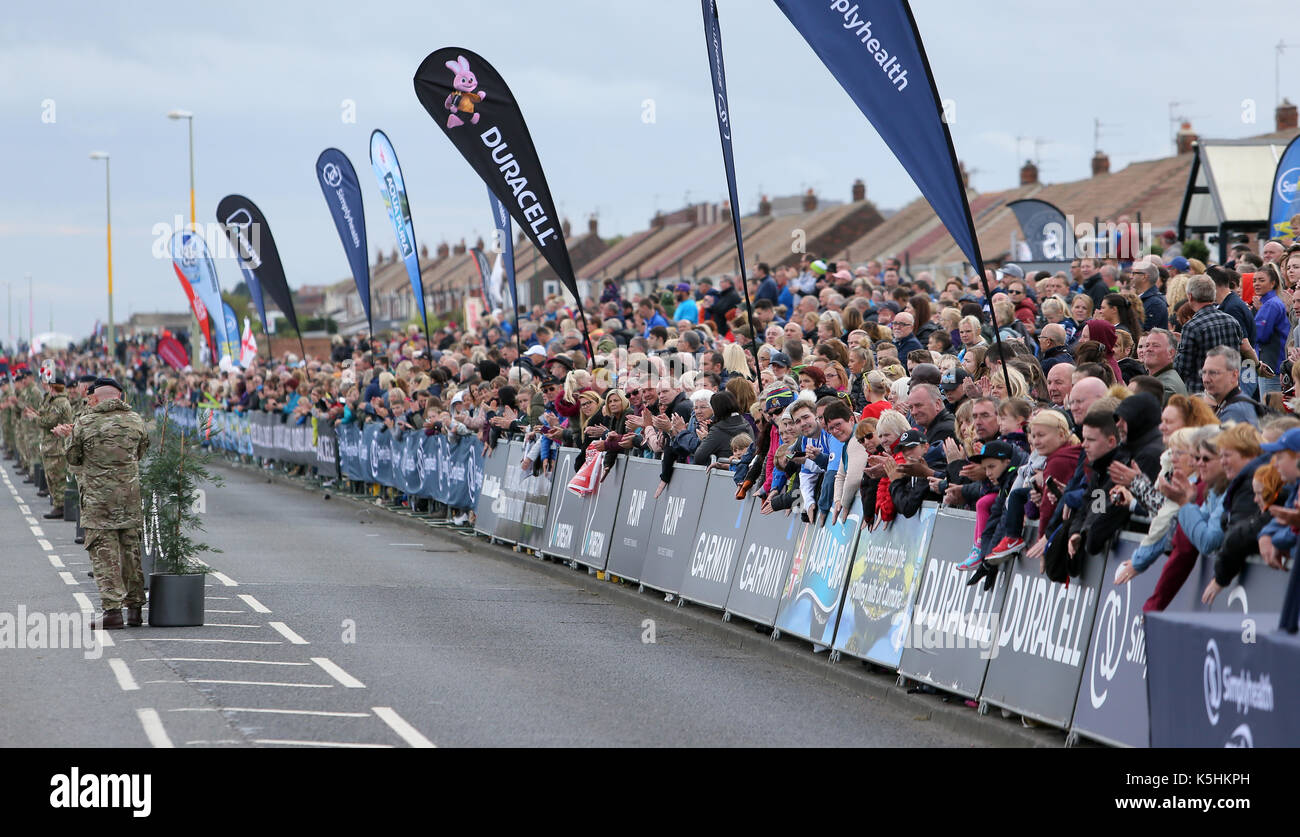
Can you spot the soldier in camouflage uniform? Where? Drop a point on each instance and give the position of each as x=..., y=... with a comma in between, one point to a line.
x=107, y=443
x=81, y=401
x=7, y=418
x=29, y=398
x=55, y=411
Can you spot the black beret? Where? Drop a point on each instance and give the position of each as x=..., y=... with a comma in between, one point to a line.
x=107, y=382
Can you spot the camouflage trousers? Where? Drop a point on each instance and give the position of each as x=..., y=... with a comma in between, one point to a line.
x=56, y=476
x=115, y=557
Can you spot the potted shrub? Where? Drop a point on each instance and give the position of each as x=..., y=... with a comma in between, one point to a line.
x=176, y=469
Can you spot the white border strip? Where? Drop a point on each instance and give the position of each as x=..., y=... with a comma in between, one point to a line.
x=399, y=725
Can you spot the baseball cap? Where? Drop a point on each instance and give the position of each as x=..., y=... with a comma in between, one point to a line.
x=779, y=359
x=535, y=350
x=1289, y=440
x=910, y=439
x=1011, y=269
x=953, y=378
x=994, y=450
x=458, y=397
x=1179, y=264
x=892, y=306
x=684, y=287
x=818, y=267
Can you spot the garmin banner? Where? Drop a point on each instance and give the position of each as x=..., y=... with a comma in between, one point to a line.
x=718, y=539
x=953, y=625
x=342, y=190
x=1218, y=683
x=1042, y=640
x=193, y=265
x=599, y=516
x=1112, y=704
x=718, y=75
x=810, y=601
x=1043, y=227
x=246, y=227
x=490, y=493
x=564, y=528
x=383, y=159
x=885, y=576
x=766, y=553
x=874, y=51
x=470, y=102
x=677, y=514
x=1284, y=202
x=634, y=519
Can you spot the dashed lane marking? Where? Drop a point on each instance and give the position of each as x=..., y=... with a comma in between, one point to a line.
x=68, y=579
x=83, y=601
x=45, y=545
x=333, y=670
x=408, y=733
x=153, y=728
x=195, y=639
x=257, y=606
x=218, y=660
x=287, y=742
x=256, y=683
x=224, y=579
x=287, y=632
x=54, y=559
x=123, y=675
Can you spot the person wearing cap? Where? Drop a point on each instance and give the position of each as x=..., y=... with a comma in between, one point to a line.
x=1172, y=250
x=907, y=491
x=107, y=443
x=952, y=383
x=56, y=409
x=1278, y=538
x=779, y=363
x=686, y=308
x=996, y=458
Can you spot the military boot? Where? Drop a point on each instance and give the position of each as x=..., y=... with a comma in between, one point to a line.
x=134, y=616
x=111, y=620
x=56, y=514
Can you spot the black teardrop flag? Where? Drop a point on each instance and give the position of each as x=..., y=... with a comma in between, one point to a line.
x=471, y=103
x=246, y=227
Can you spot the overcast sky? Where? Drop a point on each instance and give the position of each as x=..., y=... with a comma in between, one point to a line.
x=268, y=81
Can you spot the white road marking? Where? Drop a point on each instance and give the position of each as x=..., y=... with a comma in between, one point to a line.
x=54, y=559
x=67, y=578
x=123, y=675
x=227, y=625
x=286, y=632
x=31, y=521
x=190, y=639
x=210, y=610
x=292, y=743
x=25, y=509
x=153, y=728
x=83, y=601
x=45, y=545
x=257, y=606
x=265, y=683
x=313, y=712
x=37, y=531
x=102, y=637
x=333, y=670
x=218, y=660
x=399, y=725
x=210, y=743
x=224, y=579
x=406, y=544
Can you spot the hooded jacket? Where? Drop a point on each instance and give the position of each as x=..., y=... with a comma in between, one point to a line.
x=1141, y=412
x=1099, y=518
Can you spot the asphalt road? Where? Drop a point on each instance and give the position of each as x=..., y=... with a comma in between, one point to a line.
x=334, y=625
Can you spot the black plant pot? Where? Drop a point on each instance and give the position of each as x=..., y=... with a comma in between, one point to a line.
x=146, y=567
x=175, y=601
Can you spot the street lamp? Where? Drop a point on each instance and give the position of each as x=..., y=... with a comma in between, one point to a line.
x=108, y=214
x=189, y=117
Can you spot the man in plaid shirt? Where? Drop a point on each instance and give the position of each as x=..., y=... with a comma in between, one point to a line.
x=1208, y=327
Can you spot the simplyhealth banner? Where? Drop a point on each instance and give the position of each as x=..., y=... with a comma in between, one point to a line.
x=338, y=182
x=874, y=51
x=383, y=159
x=1284, y=203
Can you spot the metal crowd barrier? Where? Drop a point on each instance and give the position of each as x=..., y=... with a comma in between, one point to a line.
x=1069, y=656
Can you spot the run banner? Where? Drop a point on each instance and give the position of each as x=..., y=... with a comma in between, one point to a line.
x=246, y=227
x=383, y=159
x=470, y=102
x=194, y=267
x=338, y=181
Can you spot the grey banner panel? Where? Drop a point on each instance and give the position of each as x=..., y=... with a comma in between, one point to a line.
x=677, y=513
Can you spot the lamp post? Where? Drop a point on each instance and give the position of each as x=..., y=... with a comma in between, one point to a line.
x=108, y=215
x=188, y=117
